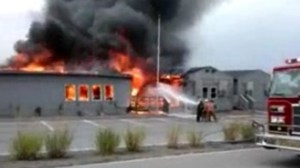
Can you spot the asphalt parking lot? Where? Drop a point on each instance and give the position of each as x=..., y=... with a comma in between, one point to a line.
x=84, y=130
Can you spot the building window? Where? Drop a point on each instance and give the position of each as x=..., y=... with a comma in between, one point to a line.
x=249, y=88
x=193, y=87
x=96, y=93
x=70, y=92
x=235, y=87
x=109, y=92
x=204, y=93
x=223, y=87
x=83, y=93
x=213, y=93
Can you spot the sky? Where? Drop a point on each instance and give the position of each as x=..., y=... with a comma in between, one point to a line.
x=235, y=34
x=15, y=21
x=246, y=34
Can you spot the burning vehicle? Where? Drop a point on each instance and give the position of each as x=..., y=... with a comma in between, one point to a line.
x=84, y=38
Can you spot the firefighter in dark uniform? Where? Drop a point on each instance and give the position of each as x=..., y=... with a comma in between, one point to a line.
x=200, y=109
x=166, y=106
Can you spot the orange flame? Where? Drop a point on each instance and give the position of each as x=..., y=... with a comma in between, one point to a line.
x=37, y=63
x=123, y=64
x=120, y=62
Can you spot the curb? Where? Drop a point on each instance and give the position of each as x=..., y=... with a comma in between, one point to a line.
x=162, y=145
x=252, y=141
x=89, y=156
x=240, y=141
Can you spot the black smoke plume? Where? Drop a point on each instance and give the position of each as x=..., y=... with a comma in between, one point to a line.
x=79, y=30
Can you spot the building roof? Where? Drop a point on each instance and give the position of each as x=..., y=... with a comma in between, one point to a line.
x=239, y=73
x=196, y=69
x=79, y=74
x=173, y=71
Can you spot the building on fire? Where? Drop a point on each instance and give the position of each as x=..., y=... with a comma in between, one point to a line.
x=47, y=94
x=240, y=89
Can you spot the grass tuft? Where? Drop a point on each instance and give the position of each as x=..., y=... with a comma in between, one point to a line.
x=57, y=143
x=107, y=141
x=231, y=132
x=134, y=139
x=194, y=138
x=247, y=132
x=26, y=146
x=173, y=135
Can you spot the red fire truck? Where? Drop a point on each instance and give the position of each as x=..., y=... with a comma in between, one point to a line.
x=282, y=130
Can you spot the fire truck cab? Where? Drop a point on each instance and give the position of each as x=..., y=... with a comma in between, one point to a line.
x=282, y=127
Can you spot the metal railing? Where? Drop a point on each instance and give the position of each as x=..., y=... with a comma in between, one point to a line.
x=244, y=102
x=247, y=102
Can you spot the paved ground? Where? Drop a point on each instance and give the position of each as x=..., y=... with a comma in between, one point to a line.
x=84, y=129
x=253, y=158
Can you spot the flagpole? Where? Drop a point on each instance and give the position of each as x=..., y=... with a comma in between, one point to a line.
x=158, y=58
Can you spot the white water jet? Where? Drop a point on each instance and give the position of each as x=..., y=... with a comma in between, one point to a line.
x=168, y=93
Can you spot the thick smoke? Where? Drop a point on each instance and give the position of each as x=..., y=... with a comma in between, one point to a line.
x=78, y=30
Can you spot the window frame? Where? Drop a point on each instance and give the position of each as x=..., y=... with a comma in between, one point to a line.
x=215, y=93
x=113, y=92
x=65, y=93
x=207, y=90
x=100, y=95
x=235, y=87
x=88, y=93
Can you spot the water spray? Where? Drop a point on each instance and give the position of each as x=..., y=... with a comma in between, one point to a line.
x=168, y=93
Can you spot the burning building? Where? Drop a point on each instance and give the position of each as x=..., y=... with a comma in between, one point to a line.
x=92, y=36
x=46, y=94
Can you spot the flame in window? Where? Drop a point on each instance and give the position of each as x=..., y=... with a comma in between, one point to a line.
x=70, y=92
x=83, y=93
x=109, y=92
x=96, y=91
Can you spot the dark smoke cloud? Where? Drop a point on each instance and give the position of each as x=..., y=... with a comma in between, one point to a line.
x=75, y=30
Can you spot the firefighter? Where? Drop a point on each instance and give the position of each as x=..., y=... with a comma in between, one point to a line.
x=129, y=109
x=199, y=111
x=166, y=106
x=209, y=108
x=205, y=110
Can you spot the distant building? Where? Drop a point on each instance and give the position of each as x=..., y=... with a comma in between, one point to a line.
x=208, y=82
x=243, y=89
x=249, y=88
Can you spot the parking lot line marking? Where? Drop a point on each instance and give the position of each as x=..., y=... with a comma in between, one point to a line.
x=4, y=154
x=93, y=124
x=50, y=128
x=134, y=122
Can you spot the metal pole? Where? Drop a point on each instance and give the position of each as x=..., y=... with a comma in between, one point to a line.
x=158, y=58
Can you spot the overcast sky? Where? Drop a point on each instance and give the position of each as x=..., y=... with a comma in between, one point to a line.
x=237, y=34
x=15, y=19
x=247, y=34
